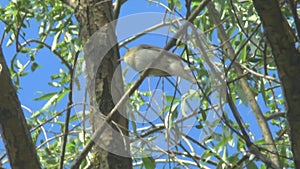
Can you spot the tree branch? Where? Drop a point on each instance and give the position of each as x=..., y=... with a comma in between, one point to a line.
x=122, y=100
x=287, y=59
x=14, y=129
x=254, y=105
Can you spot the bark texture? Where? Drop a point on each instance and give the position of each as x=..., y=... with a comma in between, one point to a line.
x=99, y=39
x=287, y=59
x=14, y=129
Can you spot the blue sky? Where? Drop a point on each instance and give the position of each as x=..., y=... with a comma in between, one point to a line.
x=37, y=81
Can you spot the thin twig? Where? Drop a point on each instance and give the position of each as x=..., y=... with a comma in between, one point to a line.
x=52, y=118
x=117, y=6
x=49, y=47
x=108, y=118
x=147, y=31
x=258, y=74
x=68, y=114
x=245, y=86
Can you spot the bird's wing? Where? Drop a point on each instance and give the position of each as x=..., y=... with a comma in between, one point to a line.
x=158, y=49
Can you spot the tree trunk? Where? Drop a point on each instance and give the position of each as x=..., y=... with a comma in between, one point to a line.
x=287, y=59
x=99, y=39
x=14, y=129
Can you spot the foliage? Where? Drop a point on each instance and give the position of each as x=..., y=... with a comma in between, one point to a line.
x=48, y=29
x=44, y=29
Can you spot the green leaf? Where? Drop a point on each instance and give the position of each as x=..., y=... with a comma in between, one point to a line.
x=148, y=161
x=10, y=40
x=46, y=96
x=70, y=147
x=36, y=114
x=171, y=99
x=62, y=94
x=263, y=91
x=56, y=76
x=34, y=66
x=54, y=84
x=55, y=40
x=23, y=74
x=19, y=65
x=251, y=165
x=50, y=102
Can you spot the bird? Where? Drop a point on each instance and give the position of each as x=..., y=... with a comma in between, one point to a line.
x=169, y=64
